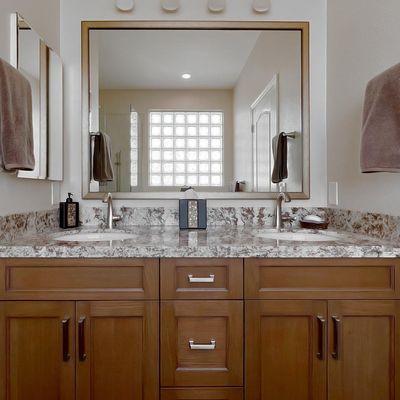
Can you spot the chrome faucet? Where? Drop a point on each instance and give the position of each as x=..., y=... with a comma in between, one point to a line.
x=282, y=196
x=111, y=218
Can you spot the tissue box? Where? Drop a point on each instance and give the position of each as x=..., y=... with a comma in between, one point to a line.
x=192, y=214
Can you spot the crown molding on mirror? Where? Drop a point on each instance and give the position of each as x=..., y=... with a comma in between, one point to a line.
x=303, y=27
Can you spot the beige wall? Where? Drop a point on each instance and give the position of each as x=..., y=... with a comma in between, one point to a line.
x=363, y=40
x=274, y=53
x=19, y=195
x=119, y=101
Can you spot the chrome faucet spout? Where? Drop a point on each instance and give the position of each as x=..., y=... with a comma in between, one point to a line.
x=282, y=197
x=111, y=218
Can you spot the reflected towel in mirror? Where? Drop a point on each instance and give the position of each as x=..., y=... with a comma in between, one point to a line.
x=280, y=171
x=16, y=131
x=102, y=158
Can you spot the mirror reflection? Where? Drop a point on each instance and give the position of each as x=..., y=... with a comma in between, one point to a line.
x=217, y=110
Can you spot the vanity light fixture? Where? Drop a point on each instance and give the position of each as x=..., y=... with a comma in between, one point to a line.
x=170, y=5
x=216, y=6
x=261, y=6
x=186, y=76
x=125, y=5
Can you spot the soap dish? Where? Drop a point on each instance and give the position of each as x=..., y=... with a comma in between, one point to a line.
x=322, y=225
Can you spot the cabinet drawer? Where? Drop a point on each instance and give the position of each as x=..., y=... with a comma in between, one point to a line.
x=40, y=279
x=322, y=278
x=202, y=343
x=202, y=394
x=201, y=279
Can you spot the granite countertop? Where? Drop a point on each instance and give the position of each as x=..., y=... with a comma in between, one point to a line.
x=218, y=241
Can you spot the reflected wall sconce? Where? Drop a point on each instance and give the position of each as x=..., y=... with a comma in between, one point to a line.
x=170, y=5
x=261, y=6
x=216, y=6
x=125, y=5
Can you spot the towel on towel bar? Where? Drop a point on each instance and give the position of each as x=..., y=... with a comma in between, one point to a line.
x=280, y=171
x=102, y=158
x=16, y=131
x=380, y=146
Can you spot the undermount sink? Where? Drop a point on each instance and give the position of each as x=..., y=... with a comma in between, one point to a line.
x=299, y=236
x=96, y=237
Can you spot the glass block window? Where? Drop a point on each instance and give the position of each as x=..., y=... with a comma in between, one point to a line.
x=186, y=148
x=134, y=148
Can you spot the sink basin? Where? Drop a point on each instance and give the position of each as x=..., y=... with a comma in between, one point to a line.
x=96, y=237
x=299, y=236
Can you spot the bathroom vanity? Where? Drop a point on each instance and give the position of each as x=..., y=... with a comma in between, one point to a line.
x=204, y=327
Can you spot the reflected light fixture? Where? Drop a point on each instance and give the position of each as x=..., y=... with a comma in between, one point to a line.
x=186, y=75
x=170, y=5
x=261, y=6
x=125, y=5
x=216, y=6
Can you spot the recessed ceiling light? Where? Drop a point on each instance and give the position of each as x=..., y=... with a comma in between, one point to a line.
x=186, y=76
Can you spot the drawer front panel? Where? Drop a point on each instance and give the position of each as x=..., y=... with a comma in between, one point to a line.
x=201, y=279
x=73, y=279
x=202, y=394
x=320, y=278
x=201, y=343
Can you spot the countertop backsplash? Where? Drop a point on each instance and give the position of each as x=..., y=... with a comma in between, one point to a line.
x=380, y=226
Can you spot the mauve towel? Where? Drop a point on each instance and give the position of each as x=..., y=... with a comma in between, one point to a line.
x=380, y=145
x=102, y=158
x=16, y=132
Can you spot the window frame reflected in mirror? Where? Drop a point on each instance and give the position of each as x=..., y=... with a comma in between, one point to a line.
x=88, y=26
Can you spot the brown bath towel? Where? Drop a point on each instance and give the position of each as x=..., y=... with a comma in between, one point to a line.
x=102, y=158
x=380, y=146
x=280, y=171
x=16, y=132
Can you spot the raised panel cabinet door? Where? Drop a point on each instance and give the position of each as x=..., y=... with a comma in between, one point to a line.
x=364, y=350
x=37, y=359
x=285, y=350
x=117, y=350
x=201, y=343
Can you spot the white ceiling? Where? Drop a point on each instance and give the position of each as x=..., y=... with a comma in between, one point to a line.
x=157, y=59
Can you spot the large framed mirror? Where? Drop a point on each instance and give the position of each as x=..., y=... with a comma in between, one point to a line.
x=42, y=66
x=222, y=107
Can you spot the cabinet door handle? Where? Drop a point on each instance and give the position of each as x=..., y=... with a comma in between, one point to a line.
x=337, y=323
x=321, y=337
x=65, y=339
x=81, y=339
x=194, y=346
x=208, y=279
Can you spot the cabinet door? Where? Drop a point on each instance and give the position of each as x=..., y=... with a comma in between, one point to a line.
x=117, y=350
x=37, y=350
x=285, y=350
x=201, y=343
x=364, y=346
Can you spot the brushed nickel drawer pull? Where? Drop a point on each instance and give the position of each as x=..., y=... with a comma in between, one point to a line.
x=194, y=346
x=209, y=279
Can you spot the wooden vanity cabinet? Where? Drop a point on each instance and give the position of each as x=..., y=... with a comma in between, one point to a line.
x=313, y=335
x=200, y=329
x=364, y=350
x=37, y=350
x=285, y=350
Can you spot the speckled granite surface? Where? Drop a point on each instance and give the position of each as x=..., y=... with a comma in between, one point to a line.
x=218, y=241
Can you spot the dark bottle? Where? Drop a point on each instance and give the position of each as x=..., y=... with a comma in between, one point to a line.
x=69, y=213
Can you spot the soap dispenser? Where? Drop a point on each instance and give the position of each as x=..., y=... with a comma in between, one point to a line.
x=69, y=213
